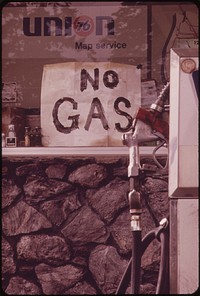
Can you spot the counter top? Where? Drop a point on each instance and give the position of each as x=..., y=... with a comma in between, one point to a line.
x=77, y=151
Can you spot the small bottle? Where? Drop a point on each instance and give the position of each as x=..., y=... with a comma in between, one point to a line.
x=27, y=137
x=11, y=140
x=37, y=136
x=11, y=131
x=3, y=140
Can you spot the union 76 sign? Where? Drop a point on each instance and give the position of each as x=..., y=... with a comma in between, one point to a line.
x=88, y=104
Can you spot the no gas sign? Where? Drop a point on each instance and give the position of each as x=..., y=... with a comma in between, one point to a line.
x=88, y=104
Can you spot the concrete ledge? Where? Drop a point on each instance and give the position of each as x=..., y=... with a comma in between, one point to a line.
x=37, y=151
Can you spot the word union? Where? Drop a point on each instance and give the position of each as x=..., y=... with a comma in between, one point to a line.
x=55, y=26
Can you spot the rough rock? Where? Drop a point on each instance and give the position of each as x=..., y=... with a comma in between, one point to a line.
x=56, y=171
x=4, y=171
x=57, y=280
x=23, y=219
x=89, y=175
x=121, y=232
x=43, y=248
x=147, y=289
x=28, y=169
x=157, y=201
x=39, y=189
x=107, y=268
x=110, y=199
x=20, y=286
x=58, y=210
x=120, y=172
x=86, y=227
x=155, y=185
x=82, y=288
x=10, y=191
x=7, y=261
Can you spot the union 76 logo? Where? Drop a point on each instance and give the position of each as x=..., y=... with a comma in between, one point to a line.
x=83, y=25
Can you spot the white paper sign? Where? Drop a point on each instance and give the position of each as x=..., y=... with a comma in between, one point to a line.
x=88, y=104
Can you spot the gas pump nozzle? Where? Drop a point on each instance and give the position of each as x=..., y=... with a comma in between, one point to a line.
x=153, y=117
x=148, y=126
x=142, y=134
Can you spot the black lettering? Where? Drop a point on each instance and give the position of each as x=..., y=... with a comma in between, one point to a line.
x=37, y=27
x=57, y=23
x=68, y=26
x=85, y=76
x=120, y=112
x=58, y=125
x=100, y=115
x=114, y=79
x=78, y=45
x=99, y=25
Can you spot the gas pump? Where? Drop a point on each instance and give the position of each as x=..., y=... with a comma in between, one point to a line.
x=179, y=250
x=183, y=171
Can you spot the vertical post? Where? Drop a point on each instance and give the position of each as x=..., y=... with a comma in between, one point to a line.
x=149, y=39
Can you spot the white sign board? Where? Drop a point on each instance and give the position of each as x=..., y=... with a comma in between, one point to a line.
x=88, y=104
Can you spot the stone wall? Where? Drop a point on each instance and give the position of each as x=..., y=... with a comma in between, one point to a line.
x=66, y=225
